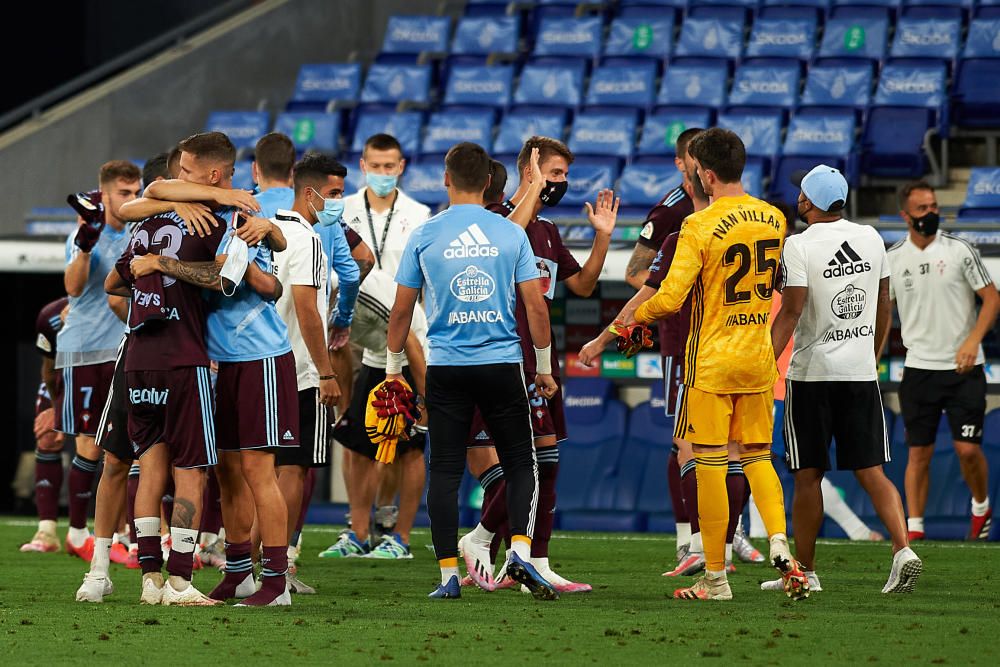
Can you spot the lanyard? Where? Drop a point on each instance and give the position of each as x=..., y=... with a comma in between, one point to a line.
x=385, y=230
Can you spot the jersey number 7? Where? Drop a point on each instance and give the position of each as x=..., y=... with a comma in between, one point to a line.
x=741, y=255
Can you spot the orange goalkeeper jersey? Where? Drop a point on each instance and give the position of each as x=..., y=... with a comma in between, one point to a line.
x=728, y=254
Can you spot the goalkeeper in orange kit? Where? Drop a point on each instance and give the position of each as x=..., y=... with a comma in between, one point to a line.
x=727, y=254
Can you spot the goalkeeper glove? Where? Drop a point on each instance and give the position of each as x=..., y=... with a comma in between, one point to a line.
x=631, y=339
x=90, y=209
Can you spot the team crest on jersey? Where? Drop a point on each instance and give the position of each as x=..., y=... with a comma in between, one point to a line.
x=647, y=231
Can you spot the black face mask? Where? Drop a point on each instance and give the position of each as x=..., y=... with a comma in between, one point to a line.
x=553, y=192
x=928, y=224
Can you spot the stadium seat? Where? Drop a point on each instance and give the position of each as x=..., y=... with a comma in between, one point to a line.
x=243, y=175
x=647, y=36
x=983, y=40
x=813, y=139
x=855, y=38
x=551, y=85
x=447, y=128
x=416, y=34
x=976, y=93
x=838, y=86
x=311, y=130
x=405, y=126
x=604, y=134
x=631, y=86
x=661, y=129
x=319, y=87
x=243, y=128
x=908, y=103
x=644, y=182
x=587, y=176
x=710, y=37
x=479, y=86
x=486, y=35
x=702, y=84
x=642, y=471
x=579, y=37
x=760, y=132
x=765, y=85
x=392, y=84
x=782, y=38
x=424, y=181
x=926, y=38
x=753, y=178
x=517, y=126
x=982, y=198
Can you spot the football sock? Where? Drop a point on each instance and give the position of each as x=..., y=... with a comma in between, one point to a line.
x=48, y=483
x=102, y=556
x=736, y=484
x=238, y=566
x=147, y=530
x=674, y=486
x=683, y=534
x=689, y=486
x=729, y=552
x=713, y=507
x=766, y=489
x=481, y=534
x=696, y=547
x=274, y=566
x=181, y=559
x=47, y=526
x=835, y=508
x=494, y=511
x=81, y=490
x=980, y=509
x=449, y=569
x=521, y=544
x=77, y=536
x=132, y=487
x=548, y=471
x=915, y=524
x=211, y=512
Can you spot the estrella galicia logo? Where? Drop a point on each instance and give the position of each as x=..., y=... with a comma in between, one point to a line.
x=473, y=285
x=849, y=303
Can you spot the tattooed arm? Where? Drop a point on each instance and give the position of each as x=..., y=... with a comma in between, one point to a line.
x=199, y=274
x=638, y=266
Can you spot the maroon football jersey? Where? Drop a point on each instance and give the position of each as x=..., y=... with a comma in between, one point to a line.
x=665, y=218
x=674, y=329
x=47, y=326
x=555, y=263
x=178, y=340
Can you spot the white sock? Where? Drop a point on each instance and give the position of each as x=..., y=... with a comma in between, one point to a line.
x=77, y=536
x=729, y=553
x=696, y=546
x=980, y=509
x=915, y=524
x=183, y=540
x=683, y=534
x=447, y=573
x=102, y=556
x=756, y=521
x=835, y=508
x=164, y=539
x=522, y=549
x=712, y=574
x=123, y=537
x=778, y=537
x=148, y=526
x=208, y=539
x=541, y=564
x=480, y=534
x=292, y=554
x=739, y=523
x=47, y=526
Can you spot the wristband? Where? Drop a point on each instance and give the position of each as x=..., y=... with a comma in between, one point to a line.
x=393, y=362
x=543, y=360
x=328, y=377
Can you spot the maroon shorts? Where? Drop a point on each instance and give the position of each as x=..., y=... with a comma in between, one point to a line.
x=175, y=408
x=257, y=404
x=673, y=378
x=81, y=398
x=547, y=418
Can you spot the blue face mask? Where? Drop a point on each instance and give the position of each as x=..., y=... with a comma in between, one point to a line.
x=332, y=211
x=381, y=184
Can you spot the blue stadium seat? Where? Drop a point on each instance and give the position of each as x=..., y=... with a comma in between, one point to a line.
x=641, y=36
x=391, y=84
x=710, y=37
x=760, y=132
x=424, y=181
x=517, y=126
x=642, y=474
x=405, y=126
x=416, y=34
x=311, y=130
x=661, y=129
x=957, y=9
x=587, y=176
x=982, y=198
x=603, y=134
x=447, y=128
x=838, y=86
x=243, y=175
x=983, y=40
x=631, y=86
x=479, y=86
x=243, y=128
x=317, y=86
x=551, y=85
x=926, y=38
x=485, y=35
x=976, y=93
x=782, y=38
x=645, y=181
x=855, y=38
x=753, y=178
x=569, y=37
x=794, y=9
x=813, y=139
x=478, y=8
x=765, y=85
x=702, y=84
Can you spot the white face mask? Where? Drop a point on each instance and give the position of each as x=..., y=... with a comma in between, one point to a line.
x=237, y=260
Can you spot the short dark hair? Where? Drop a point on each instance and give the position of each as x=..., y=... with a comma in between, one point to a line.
x=275, y=156
x=468, y=165
x=155, y=167
x=174, y=162
x=313, y=169
x=721, y=151
x=382, y=142
x=214, y=146
x=684, y=139
x=119, y=169
x=905, y=190
x=498, y=183
x=547, y=147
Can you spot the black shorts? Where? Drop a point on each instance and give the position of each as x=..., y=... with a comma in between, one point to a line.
x=924, y=395
x=350, y=430
x=314, y=427
x=848, y=412
x=112, y=428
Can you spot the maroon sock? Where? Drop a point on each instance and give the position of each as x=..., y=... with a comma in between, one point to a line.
x=238, y=565
x=211, y=512
x=746, y=492
x=502, y=536
x=494, y=514
x=674, y=484
x=274, y=561
x=81, y=490
x=736, y=484
x=48, y=483
x=150, y=554
x=548, y=471
x=307, y=493
x=132, y=487
x=180, y=564
x=689, y=482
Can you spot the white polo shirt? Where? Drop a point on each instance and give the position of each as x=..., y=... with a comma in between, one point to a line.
x=303, y=262
x=402, y=218
x=840, y=263
x=935, y=293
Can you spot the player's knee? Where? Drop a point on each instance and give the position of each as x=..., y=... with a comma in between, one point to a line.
x=114, y=467
x=920, y=457
x=968, y=452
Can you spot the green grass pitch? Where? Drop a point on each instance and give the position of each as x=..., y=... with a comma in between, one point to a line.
x=377, y=612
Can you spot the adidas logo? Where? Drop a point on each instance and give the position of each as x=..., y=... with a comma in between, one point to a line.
x=471, y=243
x=846, y=262
x=187, y=539
x=288, y=436
x=482, y=435
x=690, y=428
x=906, y=272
